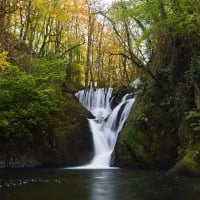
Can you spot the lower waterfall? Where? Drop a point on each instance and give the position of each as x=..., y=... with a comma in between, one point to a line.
x=107, y=123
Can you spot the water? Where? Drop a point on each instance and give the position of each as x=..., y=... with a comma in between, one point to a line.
x=96, y=101
x=112, y=184
x=107, y=123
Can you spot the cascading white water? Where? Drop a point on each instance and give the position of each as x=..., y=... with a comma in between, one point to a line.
x=96, y=101
x=107, y=123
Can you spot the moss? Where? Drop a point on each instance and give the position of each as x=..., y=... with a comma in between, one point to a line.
x=72, y=136
x=124, y=154
x=188, y=161
x=119, y=92
x=66, y=139
x=197, y=95
x=189, y=164
x=161, y=132
x=149, y=137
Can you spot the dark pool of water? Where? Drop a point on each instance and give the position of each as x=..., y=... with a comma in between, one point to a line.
x=114, y=184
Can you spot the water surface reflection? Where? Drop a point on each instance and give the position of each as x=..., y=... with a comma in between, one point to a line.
x=105, y=184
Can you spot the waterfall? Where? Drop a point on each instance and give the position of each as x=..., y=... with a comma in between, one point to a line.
x=107, y=123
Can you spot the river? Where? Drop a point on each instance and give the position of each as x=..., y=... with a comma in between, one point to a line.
x=95, y=184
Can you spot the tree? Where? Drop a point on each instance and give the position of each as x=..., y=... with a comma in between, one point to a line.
x=25, y=105
x=71, y=30
x=149, y=30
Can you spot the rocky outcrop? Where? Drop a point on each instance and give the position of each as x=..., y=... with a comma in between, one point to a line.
x=161, y=132
x=148, y=139
x=73, y=139
x=64, y=140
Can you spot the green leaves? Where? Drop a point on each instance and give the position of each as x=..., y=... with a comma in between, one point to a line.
x=51, y=71
x=24, y=103
x=4, y=123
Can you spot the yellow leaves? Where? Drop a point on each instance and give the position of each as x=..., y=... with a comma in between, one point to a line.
x=3, y=61
x=57, y=10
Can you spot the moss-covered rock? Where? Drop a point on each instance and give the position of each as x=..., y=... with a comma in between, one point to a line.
x=162, y=131
x=189, y=163
x=63, y=139
x=149, y=138
x=197, y=95
x=71, y=139
x=118, y=93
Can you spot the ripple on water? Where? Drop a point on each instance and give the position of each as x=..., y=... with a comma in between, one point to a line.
x=21, y=182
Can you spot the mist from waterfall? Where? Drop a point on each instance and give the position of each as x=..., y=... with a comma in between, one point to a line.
x=107, y=123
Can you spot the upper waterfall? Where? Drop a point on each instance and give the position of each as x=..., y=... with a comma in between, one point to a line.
x=107, y=123
x=96, y=101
